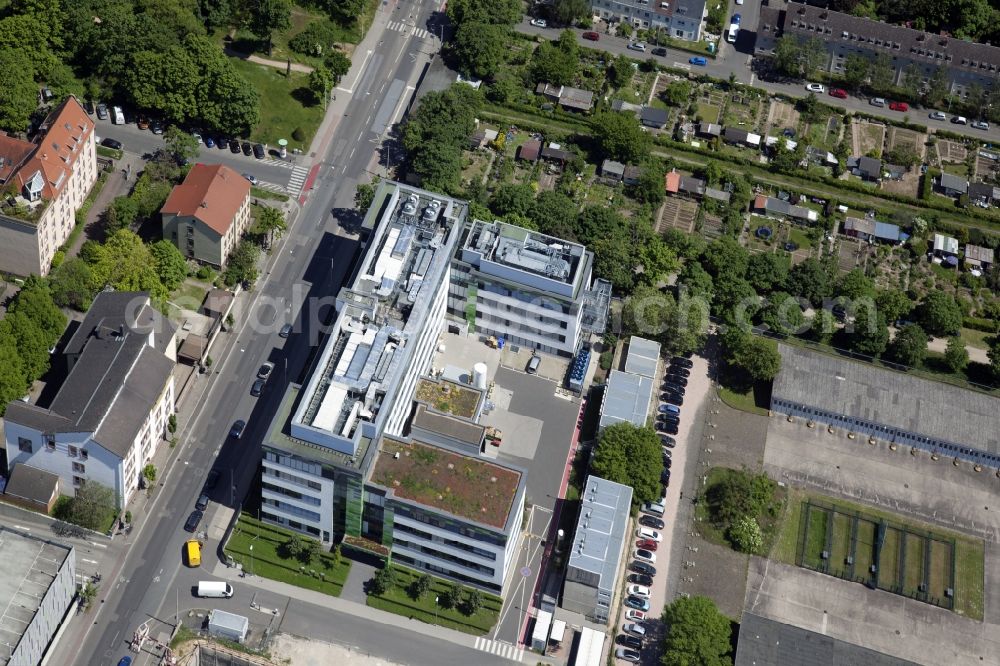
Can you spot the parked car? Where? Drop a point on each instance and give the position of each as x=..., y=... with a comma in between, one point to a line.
x=698, y=60
x=816, y=88
x=222, y=143
x=668, y=462
x=637, y=46
x=980, y=124
x=633, y=642
x=682, y=362
x=673, y=397
x=257, y=388
x=736, y=19
x=125, y=661
x=643, y=567
x=638, y=603
x=247, y=148
x=655, y=508
x=641, y=579
x=670, y=384
x=659, y=51
x=647, y=533
x=899, y=106
x=285, y=331
x=646, y=544
x=258, y=151
x=533, y=364
x=937, y=115
x=209, y=142
x=665, y=476
x=635, y=615
x=197, y=137
x=637, y=590
x=669, y=427
x=237, y=430
x=669, y=409
x=591, y=36
x=265, y=371
x=679, y=371
x=102, y=111
x=839, y=93
x=626, y=654
x=959, y=120
x=539, y=23
x=117, y=115
x=213, y=479
x=114, y=144
x=877, y=101
x=644, y=555
x=250, y=177
x=677, y=380
x=191, y=524
x=668, y=441
x=634, y=628
x=156, y=126
x=142, y=123
x=651, y=521
x=668, y=418
x=234, y=146
x=202, y=502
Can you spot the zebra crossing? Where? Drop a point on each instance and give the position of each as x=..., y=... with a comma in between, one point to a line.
x=298, y=179
x=500, y=649
x=407, y=29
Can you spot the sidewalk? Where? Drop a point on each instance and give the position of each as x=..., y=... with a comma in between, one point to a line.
x=115, y=186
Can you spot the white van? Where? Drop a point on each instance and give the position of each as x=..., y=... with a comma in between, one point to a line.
x=118, y=118
x=216, y=589
x=655, y=508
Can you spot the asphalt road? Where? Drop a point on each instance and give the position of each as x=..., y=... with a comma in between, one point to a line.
x=736, y=59
x=311, y=261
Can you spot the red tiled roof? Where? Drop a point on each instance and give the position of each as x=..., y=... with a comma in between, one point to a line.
x=672, y=182
x=13, y=152
x=62, y=135
x=212, y=193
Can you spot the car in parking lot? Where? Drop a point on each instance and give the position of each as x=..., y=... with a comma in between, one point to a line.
x=251, y=178
x=156, y=127
x=646, y=544
x=937, y=115
x=213, y=479
x=679, y=371
x=641, y=579
x=669, y=427
x=664, y=417
x=655, y=508
x=648, y=533
x=672, y=397
x=637, y=46
x=652, y=521
x=644, y=555
x=659, y=51
x=102, y=111
x=539, y=23
x=142, y=123
x=633, y=642
x=899, y=106
x=591, y=36
x=698, y=60
x=246, y=148
x=839, y=93
x=114, y=144
x=670, y=409
x=258, y=151
x=682, y=362
x=125, y=661
x=677, y=380
x=197, y=137
x=637, y=590
x=222, y=143
x=816, y=88
x=635, y=615
x=265, y=370
x=209, y=142
x=671, y=385
x=642, y=567
x=234, y=146
x=626, y=654
x=667, y=442
x=638, y=603
x=202, y=502
x=237, y=430
x=877, y=101
x=191, y=524
x=634, y=628
x=980, y=124
x=285, y=331
x=736, y=19
x=257, y=388
x=665, y=477
x=667, y=462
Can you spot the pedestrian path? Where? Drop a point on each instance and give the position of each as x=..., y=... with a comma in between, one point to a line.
x=500, y=649
x=298, y=179
x=407, y=29
x=273, y=187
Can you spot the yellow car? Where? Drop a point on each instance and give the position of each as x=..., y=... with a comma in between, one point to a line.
x=193, y=551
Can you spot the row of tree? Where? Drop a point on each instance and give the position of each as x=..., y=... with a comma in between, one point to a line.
x=33, y=324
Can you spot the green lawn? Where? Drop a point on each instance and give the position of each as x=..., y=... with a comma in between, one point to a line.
x=956, y=168
x=326, y=574
x=190, y=294
x=709, y=113
x=973, y=338
x=285, y=105
x=426, y=609
x=744, y=402
x=799, y=236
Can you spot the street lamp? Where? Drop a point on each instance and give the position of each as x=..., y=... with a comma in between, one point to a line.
x=436, y=609
x=251, y=559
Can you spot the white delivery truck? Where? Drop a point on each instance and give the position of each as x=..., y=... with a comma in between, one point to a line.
x=119, y=117
x=217, y=589
x=734, y=28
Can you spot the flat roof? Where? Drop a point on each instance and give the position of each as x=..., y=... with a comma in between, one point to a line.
x=30, y=565
x=643, y=356
x=449, y=426
x=601, y=529
x=626, y=398
x=893, y=399
x=766, y=642
x=448, y=397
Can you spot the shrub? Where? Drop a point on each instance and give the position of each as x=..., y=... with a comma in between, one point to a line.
x=298, y=134
x=745, y=535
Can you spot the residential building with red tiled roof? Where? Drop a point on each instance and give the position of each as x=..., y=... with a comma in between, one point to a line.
x=207, y=214
x=45, y=183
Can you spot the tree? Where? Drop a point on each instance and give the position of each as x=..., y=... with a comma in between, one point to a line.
x=126, y=264
x=72, y=284
x=481, y=48
x=437, y=132
x=473, y=601
x=697, y=633
x=121, y=214
x=678, y=93
x=165, y=81
x=502, y=12
x=904, y=156
x=734, y=300
x=939, y=314
x=319, y=83
x=241, y=266
x=452, y=596
x=13, y=379
x=912, y=80
x=338, y=63
x=649, y=189
x=956, y=356
x=555, y=214
x=745, y=535
x=814, y=55
x=512, y=199
x=881, y=73
x=993, y=353
x=630, y=455
x=893, y=304
x=855, y=284
x=35, y=302
x=909, y=346
x=725, y=255
x=170, y=264
x=293, y=547
x=856, y=70
x=20, y=96
x=787, y=56
x=383, y=579
x=767, y=270
x=870, y=334
x=567, y=12
x=93, y=506
x=810, y=280
x=782, y=314
x=759, y=357
x=364, y=195
x=419, y=586
x=937, y=87
x=346, y=11
x=555, y=63
x=149, y=473
x=31, y=342
x=620, y=71
x=179, y=144
x=215, y=13
x=266, y=17
x=620, y=137
x=270, y=220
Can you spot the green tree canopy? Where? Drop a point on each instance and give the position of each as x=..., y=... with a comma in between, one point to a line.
x=502, y=12
x=697, y=633
x=20, y=96
x=620, y=137
x=909, y=346
x=35, y=302
x=555, y=214
x=631, y=456
x=893, y=304
x=481, y=48
x=512, y=199
x=567, y=12
x=72, y=284
x=266, y=17
x=871, y=333
x=93, y=506
x=767, y=271
x=126, y=264
x=940, y=314
x=437, y=132
x=956, y=356
x=170, y=264
x=555, y=62
x=810, y=280
x=855, y=284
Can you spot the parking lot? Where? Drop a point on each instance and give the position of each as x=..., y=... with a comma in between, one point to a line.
x=669, y=553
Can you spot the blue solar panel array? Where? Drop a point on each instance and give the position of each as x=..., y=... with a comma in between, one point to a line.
x=579, y=367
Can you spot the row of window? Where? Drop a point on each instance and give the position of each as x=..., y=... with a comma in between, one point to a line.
x=25, y=445
x=281, y=490
x=292, y=509
x=459, y=545
x=292, y=478
x=421, y=565
x=295, y=525
x=465, y=564
x=294, y=463
x=449, y=525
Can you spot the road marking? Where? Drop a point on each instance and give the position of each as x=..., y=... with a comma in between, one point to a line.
x=298, y=179
x=682, y=65
x=361, y=70
x=84, y=559
x=99, y=545
x=22, y=527
x=500, y=648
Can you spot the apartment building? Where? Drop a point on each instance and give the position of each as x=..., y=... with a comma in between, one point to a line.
x=680, y=19
x=964, y=63
x=45, y=183
x=531, y=289
x=207, y=214
x=111, y=411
